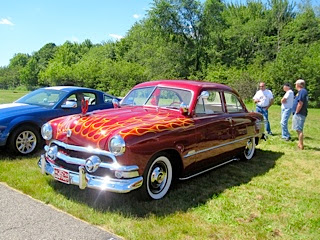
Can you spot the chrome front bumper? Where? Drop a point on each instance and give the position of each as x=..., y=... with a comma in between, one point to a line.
x=85, y=180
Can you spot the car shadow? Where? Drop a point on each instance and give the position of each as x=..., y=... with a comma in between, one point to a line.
x=9, y=156
x=183, y=195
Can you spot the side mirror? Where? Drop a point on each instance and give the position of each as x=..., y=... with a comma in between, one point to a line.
x=204, y=94
x=115, y=103
x=69, y=104
x=184, y=109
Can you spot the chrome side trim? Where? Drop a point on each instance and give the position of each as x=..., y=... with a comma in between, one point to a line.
x=192, y=153
x=209, y=169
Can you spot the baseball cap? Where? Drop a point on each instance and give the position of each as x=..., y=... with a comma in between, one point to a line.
x=300, y=82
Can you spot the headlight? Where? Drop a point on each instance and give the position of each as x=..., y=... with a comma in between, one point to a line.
x=117, y=145
x=46, y=131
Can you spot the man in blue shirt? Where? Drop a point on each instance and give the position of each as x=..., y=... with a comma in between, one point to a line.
x=300, y=110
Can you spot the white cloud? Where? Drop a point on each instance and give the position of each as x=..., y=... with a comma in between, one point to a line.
x=5, y=21
x=75, y=39
x=136, y=16
x=115, y=36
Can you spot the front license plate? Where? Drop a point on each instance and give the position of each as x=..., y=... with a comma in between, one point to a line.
x=62, y=175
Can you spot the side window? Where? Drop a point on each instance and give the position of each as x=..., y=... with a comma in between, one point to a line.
x=232, y=103
x=91, y=97
x=210, y=105
x=107, y=99
x=168, y=98
x=72, y=98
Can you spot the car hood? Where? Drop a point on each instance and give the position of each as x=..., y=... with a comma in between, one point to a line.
x=18, y=109
x=96, y=128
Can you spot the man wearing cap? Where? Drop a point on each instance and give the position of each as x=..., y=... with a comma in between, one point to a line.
x=286, y=109
x=300, y=110
x=263, y=100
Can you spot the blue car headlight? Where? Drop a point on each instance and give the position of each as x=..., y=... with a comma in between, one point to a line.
x=46, y=131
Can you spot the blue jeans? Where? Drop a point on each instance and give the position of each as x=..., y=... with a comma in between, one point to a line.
x=285, y=115
x=264, y=113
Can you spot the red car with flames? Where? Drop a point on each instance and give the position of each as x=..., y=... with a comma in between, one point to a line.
x=160, y=131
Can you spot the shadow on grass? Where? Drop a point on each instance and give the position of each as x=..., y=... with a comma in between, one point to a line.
x=5, y=154
x=306, y=147
x=183, y=195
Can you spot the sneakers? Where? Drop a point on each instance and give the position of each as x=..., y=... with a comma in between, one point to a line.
x=286, y=139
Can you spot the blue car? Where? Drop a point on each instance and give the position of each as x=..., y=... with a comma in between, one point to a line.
x=21, y=121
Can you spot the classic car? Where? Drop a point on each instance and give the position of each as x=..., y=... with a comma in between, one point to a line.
x=21, y=121
x=162, y=130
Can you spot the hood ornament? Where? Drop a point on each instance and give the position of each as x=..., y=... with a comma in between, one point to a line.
x=69, y=133
x=84, y=106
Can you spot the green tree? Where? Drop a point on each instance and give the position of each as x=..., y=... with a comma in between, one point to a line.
x=29, y=74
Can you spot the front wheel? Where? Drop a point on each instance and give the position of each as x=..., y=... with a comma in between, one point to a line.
x=157, y=177
x=24, y=140
x=249, y=150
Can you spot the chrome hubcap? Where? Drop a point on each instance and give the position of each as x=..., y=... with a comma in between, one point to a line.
x=26, y=142
x=158, y=178
x=249, y=148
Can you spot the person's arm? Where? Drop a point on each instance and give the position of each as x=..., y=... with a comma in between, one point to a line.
x=270, y=103
x=299, y=106
x=255, y=98
x=271, y=99
x=285, y=97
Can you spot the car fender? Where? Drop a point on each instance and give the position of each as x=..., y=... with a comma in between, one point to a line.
x=19, y=121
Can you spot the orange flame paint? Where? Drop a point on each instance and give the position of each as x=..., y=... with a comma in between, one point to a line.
x=95, y=128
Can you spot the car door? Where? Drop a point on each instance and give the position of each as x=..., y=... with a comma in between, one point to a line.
x=240, y=121
x=213, y=130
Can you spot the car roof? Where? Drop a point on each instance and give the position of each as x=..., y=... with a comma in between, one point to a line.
x=70, y=88
x=186, y=84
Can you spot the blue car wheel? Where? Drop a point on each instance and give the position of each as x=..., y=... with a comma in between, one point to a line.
x=24, y=140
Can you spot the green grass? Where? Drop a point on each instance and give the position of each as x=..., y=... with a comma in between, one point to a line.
x=275, y=195
x=8, y=96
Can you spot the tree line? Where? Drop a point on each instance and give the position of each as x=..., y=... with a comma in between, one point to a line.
x=236, y=44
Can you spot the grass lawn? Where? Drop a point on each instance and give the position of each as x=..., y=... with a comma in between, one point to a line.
x=275, y=195
x=8, y=96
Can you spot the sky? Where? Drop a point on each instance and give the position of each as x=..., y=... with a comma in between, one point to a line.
x=27, y=25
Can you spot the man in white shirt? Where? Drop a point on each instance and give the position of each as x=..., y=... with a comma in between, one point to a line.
x=263, y=100
x=286, y=110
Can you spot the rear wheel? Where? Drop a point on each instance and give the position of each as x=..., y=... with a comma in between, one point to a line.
x=157, y=177
x=24, y=140
x=249, y=150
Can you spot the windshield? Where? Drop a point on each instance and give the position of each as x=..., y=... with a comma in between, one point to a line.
x=159, y=96
x=43, y=97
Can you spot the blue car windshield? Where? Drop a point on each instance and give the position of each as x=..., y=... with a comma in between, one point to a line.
x=43, y=97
